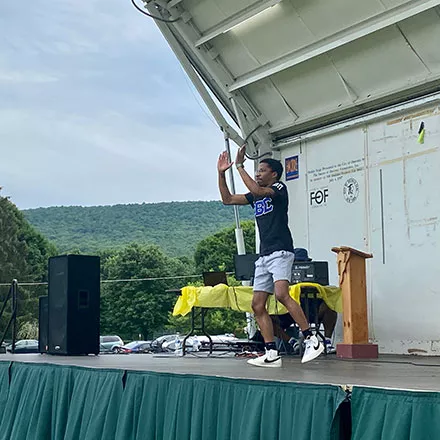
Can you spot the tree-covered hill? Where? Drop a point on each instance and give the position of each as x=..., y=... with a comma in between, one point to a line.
x=176, y=227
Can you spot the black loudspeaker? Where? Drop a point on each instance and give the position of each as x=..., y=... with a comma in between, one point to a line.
x=73, y=304
x=310, y=272
x=245, y=266
x=43, y=323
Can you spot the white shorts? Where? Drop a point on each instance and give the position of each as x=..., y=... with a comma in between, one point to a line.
x=270, y=268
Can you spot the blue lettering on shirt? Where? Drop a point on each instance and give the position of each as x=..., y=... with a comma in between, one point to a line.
x=263, y=207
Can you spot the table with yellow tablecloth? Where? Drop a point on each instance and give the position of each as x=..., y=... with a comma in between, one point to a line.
x=239, y=298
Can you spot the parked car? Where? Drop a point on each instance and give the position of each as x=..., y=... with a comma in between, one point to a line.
x=202, y=342
x=24, y=346
x=190, y=344
x=158, y=344
x=136, y=347
x=219, y=340
x=110, y=344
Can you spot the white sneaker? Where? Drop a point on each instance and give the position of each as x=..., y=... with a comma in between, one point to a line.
x=270, y=359
x=313, y=349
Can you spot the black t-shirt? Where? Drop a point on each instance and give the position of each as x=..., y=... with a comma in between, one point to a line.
x=272, y=221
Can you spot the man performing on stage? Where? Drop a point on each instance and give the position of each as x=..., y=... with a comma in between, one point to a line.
x=273, y=270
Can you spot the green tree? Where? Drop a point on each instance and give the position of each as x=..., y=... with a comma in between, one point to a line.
x=12, y=249
x=24, y=255
x=130, y=308
x=216, y=252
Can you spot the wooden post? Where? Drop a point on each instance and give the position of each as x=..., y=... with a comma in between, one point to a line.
x=352, y=280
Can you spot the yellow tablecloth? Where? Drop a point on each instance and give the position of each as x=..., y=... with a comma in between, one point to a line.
x=240, y=298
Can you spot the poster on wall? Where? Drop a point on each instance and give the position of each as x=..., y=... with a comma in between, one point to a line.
x=292, y=167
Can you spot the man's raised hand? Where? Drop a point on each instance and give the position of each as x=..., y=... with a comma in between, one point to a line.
x=223, y=163
x=240, y=158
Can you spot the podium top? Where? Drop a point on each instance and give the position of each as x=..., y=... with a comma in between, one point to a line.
x=352, y=250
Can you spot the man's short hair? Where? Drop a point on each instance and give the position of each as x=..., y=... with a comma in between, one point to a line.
x=275, y=166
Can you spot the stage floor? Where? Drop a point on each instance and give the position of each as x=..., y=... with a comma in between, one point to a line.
x=397, y=372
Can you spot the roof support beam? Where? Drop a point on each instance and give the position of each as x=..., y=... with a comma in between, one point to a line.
x=197, y=82
x=235, y=20
x=352, y=33
x=205, y=70
x=173, y=3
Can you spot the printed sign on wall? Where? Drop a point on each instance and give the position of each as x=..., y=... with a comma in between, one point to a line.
x=351, y=190
x=318, y=197
x=292, y=167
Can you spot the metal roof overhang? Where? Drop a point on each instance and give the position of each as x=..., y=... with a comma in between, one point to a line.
x=283, y=67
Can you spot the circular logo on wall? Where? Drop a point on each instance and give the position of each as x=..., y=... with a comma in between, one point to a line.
x=351, y=190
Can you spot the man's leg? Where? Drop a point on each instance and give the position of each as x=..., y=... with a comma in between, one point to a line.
x=271, y=358
x=262, y=317
x=313, y=348
x=263, y=286
x=279, y=265
x=295, y=310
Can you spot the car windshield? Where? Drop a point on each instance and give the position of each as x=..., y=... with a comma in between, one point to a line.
x=26, y=342
x=109, y=339
x=132, y=344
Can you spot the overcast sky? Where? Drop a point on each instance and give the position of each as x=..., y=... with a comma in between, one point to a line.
x=96, y=110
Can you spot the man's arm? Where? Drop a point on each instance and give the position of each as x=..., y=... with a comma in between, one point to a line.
x=251, y=185
x=227, y=198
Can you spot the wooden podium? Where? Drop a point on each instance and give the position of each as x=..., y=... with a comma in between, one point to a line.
x=352, y=281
